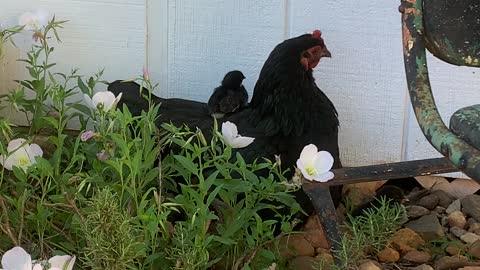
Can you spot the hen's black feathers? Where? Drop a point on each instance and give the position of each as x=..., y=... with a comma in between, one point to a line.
x=287, y=110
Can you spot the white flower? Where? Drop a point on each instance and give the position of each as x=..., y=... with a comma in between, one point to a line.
x=314, y=165
x=64, y=262
x=232, y=138
x=102, y=100
x=17, y=259
x=34, y=20
x=20, y=154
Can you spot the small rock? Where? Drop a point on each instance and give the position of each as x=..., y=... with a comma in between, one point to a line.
x=368, y=265
x=471, y=206
x=405, y=240
x=470, y=268
x=303, y=262
x=317, y=238
x=430, y=201
x=470, y=237
x=388, y=254
x=444, y=221
x=313, y=223
x=440, y=211
x=457, y=231
x=417, y=257
x=422, y=267
x=472, y=221
x=457, y=219
x=295, y=245
x=322, y=251
x=474, y=250
x=450, y=262
x=415, y=211
x=444, y=199
x=475, y=228
x=325, y=259
x=454, y=249
x=454, y=206
x=428, y=227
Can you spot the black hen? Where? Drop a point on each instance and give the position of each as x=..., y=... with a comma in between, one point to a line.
x=287, y=110
x=229, y=97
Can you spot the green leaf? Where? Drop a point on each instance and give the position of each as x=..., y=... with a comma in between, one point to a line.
x=187, y=164
x=213, y=194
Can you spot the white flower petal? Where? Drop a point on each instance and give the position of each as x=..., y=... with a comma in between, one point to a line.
x=241, y=142
x=37, y=266
x=61, y=261
x=323, y=161
x=29, y=20
x=229, y=130
x=303, y=169
x=15, y=144
x=324, y=177
x=43, y=17
x=33, y=151
x=106, y=98
x=16, y=259
x=308, y=154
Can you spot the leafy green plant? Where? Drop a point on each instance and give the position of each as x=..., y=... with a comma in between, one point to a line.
x=369, y=232
x=119, y=193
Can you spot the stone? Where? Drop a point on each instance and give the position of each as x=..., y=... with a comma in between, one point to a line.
x=440, y=211
x=474, y=250
x=325, y=259
x=405, y=240
x=313, y=223
x=475, y=228
x=472, y=221
x=450, y=262
x=454, y=249
x=457, y=231
x=417, y=257
x=444, y=221
x=470, y=268
x=322, y=251
x=389, y=255
x=430, y=201
x=444, y=200
x=295, y=245
x=368, y=265
x=457, y=219
x=469, y=237
x=303, y=262
x=317, y=238
x=471, y=206
x=428, y=227
x=416, y=211
x=422, y=267
x=454, y=206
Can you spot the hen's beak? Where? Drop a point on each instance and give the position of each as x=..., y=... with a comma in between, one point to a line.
x=326, y=53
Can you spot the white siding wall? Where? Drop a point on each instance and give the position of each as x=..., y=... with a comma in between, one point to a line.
x=188, y=45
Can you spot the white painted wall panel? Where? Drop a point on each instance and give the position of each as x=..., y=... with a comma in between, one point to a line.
x=207, y=38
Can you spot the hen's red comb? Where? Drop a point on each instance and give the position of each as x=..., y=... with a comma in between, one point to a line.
x=317, y=34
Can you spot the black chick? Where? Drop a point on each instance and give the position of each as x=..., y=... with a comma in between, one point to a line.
x=390, y=192
x=229, y=97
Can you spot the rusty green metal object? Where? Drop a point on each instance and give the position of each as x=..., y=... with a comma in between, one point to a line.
x=452, y=30
x=466, y=124
x=461, y=154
